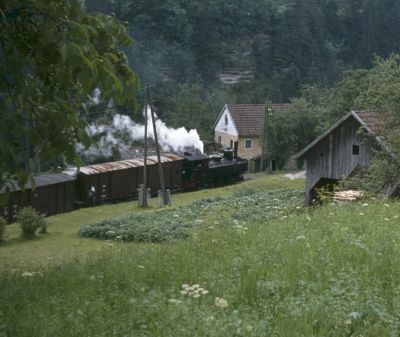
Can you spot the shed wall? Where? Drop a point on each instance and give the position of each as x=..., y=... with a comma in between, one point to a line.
x=333, y=156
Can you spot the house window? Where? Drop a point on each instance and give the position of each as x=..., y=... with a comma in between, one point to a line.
x=356, y=150
x=231, y=143
x=226, y=119
x=219, y=140
x=248, y=143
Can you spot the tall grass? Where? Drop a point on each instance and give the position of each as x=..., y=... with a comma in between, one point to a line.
x=329, y=272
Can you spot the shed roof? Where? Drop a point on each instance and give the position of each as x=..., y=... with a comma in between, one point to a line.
x=129, y=163
x=249, y=118
x=42, y=180
x=371, y=121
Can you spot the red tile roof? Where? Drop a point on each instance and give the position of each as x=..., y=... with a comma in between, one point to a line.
x=380, y=124
x=249, y=118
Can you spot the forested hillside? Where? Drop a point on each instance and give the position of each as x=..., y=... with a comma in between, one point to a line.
x=198, y=55
x=278, y=45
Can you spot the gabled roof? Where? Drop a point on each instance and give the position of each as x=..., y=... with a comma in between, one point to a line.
x=249, y=118
x=371, y=121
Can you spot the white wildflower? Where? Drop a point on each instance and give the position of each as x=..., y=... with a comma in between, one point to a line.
x=220, y=303
x=140, y=266
x=194, y=290
x=300, y=237
x=173, y=301
x=365, y=204
x=354, y=315
x=27, y=274
x=386, y=205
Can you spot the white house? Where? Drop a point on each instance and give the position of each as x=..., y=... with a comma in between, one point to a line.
x=244, y=124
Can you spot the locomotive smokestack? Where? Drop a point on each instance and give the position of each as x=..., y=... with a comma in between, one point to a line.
x=228, y=153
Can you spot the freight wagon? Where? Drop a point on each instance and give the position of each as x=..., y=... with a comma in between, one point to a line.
x=61, y=192
x=50, y=194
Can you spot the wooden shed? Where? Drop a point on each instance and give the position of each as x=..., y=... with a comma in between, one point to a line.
x=51, y=194
x=121, y=179
x=340, y=150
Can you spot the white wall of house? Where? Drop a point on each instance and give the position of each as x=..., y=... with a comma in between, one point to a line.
x=226, y=124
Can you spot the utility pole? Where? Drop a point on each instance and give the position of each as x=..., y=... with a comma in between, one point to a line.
x=269, y=113
x=264, y=136
x=143, y=202
x=265, y=154
x=160, y=168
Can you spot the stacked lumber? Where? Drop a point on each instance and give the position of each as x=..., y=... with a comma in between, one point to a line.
x=347, y=196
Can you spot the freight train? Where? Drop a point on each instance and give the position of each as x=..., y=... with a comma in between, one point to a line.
x=62, y=192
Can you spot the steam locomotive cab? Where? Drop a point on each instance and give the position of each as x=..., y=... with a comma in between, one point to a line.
x=195, y=170
x=202, y=171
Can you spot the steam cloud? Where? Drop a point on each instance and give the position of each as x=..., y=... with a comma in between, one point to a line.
x=170, y=139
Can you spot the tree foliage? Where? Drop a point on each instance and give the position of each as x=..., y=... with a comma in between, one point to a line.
x=52, y=56
x=284, y=43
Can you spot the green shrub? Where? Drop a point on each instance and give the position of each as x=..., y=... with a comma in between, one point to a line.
x=2, y=230
x=378, y=178
x=30, y=221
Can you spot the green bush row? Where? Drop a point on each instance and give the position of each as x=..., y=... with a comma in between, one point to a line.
x=173, y=223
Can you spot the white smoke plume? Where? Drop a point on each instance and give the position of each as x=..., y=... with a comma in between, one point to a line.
x=170, y=139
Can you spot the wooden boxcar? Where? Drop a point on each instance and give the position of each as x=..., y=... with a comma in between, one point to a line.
x=121, y=179
x=51, y=194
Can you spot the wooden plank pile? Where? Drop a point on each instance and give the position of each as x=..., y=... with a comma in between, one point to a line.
x=347, y=196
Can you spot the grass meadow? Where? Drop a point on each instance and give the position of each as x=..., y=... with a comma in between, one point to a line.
x=329, y=271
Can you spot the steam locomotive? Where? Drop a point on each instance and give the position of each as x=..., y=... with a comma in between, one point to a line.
x=62, y=192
